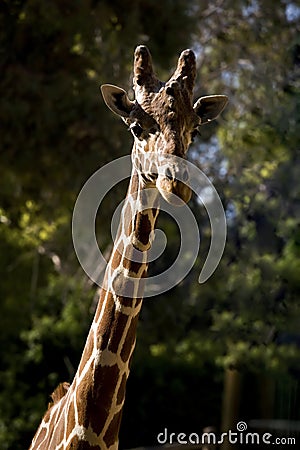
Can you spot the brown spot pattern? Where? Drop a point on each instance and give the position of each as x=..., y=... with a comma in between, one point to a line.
x=132, y=266
x=116, y=260
x=71, y=417
x=118, y=328
x=41, y=436
x=142, y=227
x=104, y=327
x=105, y=380
x=113, y=429
x=84, y=399
x=129, y=340
x=81, y=445
x=129, y=301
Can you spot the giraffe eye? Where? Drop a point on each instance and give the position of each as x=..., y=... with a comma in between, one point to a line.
x=168, y=174
x=136, y=129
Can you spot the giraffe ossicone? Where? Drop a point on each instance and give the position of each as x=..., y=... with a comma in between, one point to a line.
x=86, y=414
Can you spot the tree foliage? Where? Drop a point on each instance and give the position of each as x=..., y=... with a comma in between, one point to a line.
x=56, y=131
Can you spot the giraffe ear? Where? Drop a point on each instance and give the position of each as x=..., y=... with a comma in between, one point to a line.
x=117, y=100
x=208, y=108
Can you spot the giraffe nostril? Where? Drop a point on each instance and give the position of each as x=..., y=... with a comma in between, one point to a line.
x=168, y=174
x=185, y=176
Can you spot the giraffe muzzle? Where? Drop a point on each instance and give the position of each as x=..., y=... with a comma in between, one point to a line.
x=175, y=192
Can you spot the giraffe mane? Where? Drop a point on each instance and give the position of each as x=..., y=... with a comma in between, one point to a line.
x=58, y=393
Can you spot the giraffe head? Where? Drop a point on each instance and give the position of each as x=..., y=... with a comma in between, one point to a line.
x=163, y=120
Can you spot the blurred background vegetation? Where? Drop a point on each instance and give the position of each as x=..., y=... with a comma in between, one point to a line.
x=207, y=355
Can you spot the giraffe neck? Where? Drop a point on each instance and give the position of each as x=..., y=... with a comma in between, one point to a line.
x=90, y=413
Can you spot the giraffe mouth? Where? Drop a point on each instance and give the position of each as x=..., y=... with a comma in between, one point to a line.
x=174, y=192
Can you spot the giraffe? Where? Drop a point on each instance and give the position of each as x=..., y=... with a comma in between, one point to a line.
x=162, y=119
